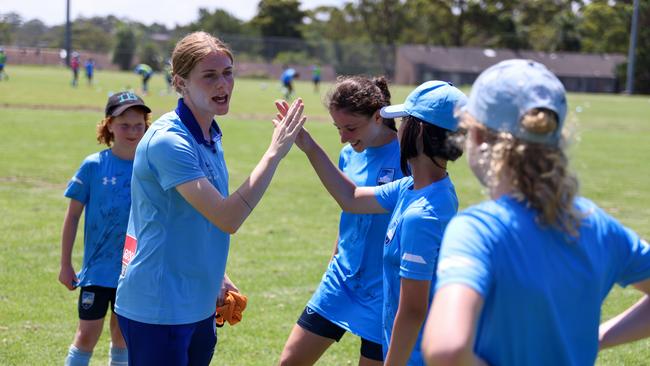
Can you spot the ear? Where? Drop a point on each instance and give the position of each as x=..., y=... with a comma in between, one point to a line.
x=179, y=82
x=377, y=118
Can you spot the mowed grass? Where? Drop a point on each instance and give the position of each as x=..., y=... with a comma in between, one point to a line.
x=279, y=255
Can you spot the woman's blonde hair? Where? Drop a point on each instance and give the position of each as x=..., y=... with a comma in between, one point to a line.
x=190, y=50
x=538, y=173
x=104, y=136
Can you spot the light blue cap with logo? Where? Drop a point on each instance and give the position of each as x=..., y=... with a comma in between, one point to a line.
x=505, y=92
x=433, y=102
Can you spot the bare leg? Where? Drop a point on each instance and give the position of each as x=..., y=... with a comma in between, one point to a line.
x=303, y=347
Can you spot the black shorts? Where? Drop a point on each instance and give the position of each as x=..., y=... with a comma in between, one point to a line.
x=311, y=321
x=94, y=300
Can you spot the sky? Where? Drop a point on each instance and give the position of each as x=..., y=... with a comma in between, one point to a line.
x=168, y=12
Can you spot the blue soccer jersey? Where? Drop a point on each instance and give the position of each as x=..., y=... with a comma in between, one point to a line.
x=542, y=290
x=350, y=293
x=174, y=258
x=412, y=242
x=103, y=185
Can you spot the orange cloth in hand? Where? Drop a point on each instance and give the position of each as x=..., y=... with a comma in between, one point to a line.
x=231, y=311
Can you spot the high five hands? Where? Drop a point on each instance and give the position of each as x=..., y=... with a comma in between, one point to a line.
x=287, y=127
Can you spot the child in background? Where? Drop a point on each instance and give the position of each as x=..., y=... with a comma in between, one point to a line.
x=102, y=186
x=145, y=71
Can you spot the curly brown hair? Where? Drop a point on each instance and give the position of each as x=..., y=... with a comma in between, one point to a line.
x=360, y=95
x=104, y=136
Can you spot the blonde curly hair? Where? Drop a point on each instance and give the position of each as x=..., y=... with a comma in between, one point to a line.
x=538, y=173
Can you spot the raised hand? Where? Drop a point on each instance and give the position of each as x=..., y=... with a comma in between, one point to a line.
x=287, y=128
x=303, y=139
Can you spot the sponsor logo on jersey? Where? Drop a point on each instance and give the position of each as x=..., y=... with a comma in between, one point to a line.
x=130, y=245
x=111, y=180
x=386, y=175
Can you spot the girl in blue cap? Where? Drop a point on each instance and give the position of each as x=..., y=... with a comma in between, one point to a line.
x=349, y=297
x=102, y=186
x=420, y=205
x=522, y=277
x=182, y=215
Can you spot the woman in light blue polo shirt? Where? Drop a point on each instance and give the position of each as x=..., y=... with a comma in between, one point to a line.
x=173, y=268
x=420, y=205
x=522, y=277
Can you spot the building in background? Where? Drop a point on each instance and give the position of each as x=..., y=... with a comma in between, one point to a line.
x=579, y=72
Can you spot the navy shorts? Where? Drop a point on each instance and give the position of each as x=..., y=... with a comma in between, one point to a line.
x=174, y=345
x=311, y=321
x=94, y=300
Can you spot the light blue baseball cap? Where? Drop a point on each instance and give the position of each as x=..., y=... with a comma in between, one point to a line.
x=505, y=92
x=433, y=102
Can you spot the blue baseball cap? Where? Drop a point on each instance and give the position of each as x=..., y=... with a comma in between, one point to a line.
x=433, y=102
x=505, y=92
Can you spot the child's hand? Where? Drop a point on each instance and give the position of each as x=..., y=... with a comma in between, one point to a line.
x=68, y=277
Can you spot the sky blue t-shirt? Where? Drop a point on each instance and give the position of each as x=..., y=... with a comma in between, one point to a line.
x=542, y=290
x=288, y=75
x=350, y=294
x=177, y=257
x=103, y=185
x=412, y=242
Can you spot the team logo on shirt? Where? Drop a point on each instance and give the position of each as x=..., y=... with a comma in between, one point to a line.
x=390, y=232
x=111, y=180
x=87, y=299
x=386, y=175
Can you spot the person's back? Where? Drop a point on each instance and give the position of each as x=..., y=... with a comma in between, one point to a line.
x=522, y=277
x=543, y=284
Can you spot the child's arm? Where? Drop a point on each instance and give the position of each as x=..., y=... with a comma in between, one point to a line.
x=67, y=274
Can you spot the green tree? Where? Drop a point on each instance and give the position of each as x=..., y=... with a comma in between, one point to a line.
x=150, y=54
x=9, y=23
x=605, y=28
x=30, y=33
x=278, y=18
x=217, y=23
x=124, y=48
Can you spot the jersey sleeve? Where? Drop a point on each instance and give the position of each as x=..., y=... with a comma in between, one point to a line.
x=173, y=159
x=79, y=185
x=635, y=263
x=421, y=234
x=388, y=194
x=465, y=255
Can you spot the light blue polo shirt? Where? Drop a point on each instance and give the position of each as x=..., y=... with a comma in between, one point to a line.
x=103, y=185
x=177, y=257
x=350, y=293
x=412, y=242
x=542, y=290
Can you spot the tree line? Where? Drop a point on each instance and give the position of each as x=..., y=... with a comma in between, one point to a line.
x=600, y=26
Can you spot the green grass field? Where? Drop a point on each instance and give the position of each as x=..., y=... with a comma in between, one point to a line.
x=279, y=255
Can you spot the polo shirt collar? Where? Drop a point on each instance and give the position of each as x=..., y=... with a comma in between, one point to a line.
x=186, y=116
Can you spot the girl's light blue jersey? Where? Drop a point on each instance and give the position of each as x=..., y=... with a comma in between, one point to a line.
x=174, y=258
x=350, y=293
x=542, y=290
x=103, y=185
x=412, y=242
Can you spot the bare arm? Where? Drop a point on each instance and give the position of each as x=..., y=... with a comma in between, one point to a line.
x=67, y=274
x=229, y=213
x=631, y=325
x=449, y=334
x=349, y=197
x=411, y=312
